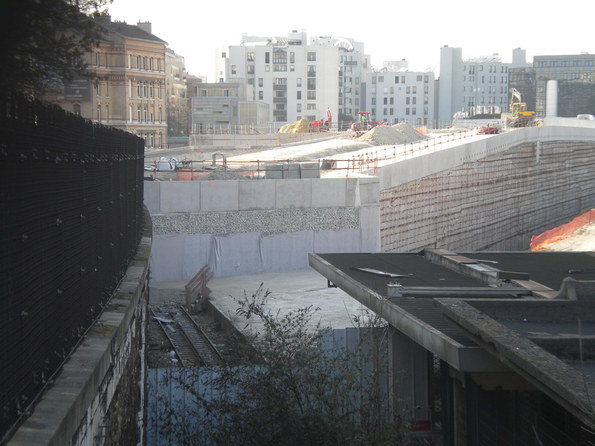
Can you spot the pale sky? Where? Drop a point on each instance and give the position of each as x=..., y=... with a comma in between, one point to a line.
x=412, y=30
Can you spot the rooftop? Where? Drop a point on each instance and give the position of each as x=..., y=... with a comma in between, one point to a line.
x=525, y=312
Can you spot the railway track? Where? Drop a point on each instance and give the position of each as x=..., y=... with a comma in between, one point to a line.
x=191, y=345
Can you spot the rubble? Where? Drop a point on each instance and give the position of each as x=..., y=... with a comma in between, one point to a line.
x=384, y=135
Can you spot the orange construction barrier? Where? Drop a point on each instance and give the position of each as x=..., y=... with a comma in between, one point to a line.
x=539, y=242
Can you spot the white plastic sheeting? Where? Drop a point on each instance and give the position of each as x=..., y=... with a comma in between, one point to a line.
x=180, y=256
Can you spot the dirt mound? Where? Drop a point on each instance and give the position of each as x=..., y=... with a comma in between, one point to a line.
x=384, y=135
x=301, y=126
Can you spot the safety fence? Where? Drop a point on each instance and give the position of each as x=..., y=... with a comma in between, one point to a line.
x=303, y=164
x=71, y=200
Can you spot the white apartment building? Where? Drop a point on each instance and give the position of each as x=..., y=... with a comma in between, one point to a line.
x=475, y=87
x=299, y=80
x=395, y=94
x=485, y=87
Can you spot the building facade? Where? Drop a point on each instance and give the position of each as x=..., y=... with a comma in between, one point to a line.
x=176, y=96
x=128, y=89
x=299, y=79
x=572, y=79
x=225, y=107
x=485, y=87
x=397, y=95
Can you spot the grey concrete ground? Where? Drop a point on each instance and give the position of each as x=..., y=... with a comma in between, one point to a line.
x=289, y=291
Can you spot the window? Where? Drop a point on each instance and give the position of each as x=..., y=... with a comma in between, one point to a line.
x=250, y=56
x=299, y=82
x=311, y=56
x=224, y=55
x=76, y=108
x=234, y=69
x=311, y=70
x=299, y=95
x=419, y=78
x=380, y=79
x=396, y=79
x=279, y=56
x=312, y=84
x=260, y=95
x=292, y=57
x=267, y=57
x=311, y=94
x=299, y=108
x=250, y=69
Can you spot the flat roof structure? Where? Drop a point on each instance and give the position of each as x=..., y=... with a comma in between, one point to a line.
x=487, y=311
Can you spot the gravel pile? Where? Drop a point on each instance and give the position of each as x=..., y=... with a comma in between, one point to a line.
x=384, y=135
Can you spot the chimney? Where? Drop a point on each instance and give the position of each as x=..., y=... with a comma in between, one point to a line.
x=145, y=26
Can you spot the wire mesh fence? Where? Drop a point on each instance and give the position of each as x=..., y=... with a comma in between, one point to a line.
x=71, y=200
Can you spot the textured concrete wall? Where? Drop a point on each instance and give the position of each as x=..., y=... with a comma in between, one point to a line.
x=98, y=397
x=491, y=194
x=248, y=226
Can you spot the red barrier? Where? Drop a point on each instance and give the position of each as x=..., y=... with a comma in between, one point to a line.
x=538, y=242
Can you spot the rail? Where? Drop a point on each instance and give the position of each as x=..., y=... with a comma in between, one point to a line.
x=190, y=344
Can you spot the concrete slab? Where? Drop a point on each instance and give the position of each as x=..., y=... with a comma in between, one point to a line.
x=219, y=195
x=289, y=291
x=179, y=196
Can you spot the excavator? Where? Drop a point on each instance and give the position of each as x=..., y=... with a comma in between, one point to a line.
x=519, y=116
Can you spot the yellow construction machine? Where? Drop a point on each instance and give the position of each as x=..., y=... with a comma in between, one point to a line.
x=519, y=116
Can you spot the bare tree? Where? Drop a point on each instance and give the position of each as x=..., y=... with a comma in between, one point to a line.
x=301, y=389
x=44, y=41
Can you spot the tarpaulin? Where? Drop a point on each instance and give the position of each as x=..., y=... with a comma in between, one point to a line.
x=539, y=242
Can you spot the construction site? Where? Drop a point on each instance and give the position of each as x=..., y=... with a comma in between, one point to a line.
x=256, y=216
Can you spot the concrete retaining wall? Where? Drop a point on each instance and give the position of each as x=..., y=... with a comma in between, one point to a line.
x=489, y=194
x=248, y=226
x=98, y=397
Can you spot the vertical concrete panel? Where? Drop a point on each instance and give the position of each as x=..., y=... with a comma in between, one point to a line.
x=220, y=195
x=285, y=252
x=329, y=192
x=347, y=240
x=257, y=195
x=151, y=196
x=179, y=196
x=369, y=217
x=369, y=191
x=166, y=260
x=293, y=194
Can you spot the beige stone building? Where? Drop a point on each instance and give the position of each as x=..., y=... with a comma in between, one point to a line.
x=129, y=88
